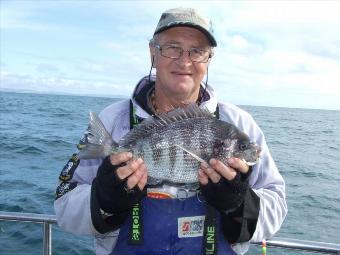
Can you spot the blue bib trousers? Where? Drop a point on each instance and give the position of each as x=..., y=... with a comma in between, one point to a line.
x=161, y=229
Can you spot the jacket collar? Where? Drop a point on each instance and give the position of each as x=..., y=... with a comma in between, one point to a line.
x=144, y=87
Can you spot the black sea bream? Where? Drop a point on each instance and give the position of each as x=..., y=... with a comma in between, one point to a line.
x=173, y=144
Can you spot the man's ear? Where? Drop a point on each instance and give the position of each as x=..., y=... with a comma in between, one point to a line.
x=153, y=60
x=152, y=54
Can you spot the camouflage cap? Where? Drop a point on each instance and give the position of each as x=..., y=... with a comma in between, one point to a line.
x=187, y=17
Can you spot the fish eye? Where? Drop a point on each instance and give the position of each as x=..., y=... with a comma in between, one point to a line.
x=243, y=146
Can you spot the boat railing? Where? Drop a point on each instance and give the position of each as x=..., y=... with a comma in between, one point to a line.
x=47, y=220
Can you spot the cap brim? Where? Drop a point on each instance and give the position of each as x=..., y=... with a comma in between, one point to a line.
x=211, y=39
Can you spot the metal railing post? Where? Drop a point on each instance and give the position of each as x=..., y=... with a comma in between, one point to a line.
x=47, y=238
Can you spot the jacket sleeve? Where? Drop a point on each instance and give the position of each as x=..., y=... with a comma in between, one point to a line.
x=73, y=197
x=75, y=205
x=269, y=186
x=264, y=208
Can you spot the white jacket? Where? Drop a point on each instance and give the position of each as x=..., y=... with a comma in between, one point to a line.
x=73, y=207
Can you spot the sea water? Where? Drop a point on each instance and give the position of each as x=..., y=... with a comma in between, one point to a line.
x=39, y=132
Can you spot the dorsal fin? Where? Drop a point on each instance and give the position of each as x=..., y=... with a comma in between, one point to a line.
x=149, y=125
x=188, y=112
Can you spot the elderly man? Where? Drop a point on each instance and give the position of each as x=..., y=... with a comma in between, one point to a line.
x=110, y=197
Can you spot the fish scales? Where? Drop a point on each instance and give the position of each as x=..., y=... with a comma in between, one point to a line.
x=165, y=160
x=161, y=141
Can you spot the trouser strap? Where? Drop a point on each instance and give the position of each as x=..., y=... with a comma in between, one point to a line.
x=136, y=230
x=210, y=233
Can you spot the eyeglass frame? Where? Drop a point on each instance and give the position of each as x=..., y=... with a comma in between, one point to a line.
x=159, y=47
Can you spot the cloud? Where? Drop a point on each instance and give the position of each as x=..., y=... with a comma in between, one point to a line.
x=47, y=68
x=267, y=52
x=242, y=45
x=64, y=85
x=280, y=14
x=21, y=15
x=323, y=48
x=115, y=46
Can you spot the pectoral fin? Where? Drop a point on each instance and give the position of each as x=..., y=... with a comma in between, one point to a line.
x=192, y=154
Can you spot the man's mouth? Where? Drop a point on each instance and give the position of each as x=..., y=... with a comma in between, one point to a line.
x=181, y=73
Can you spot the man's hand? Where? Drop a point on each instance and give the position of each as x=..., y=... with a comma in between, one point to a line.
x=216, y=170
x=224, y=186
x=134, y=170
x=120, y=182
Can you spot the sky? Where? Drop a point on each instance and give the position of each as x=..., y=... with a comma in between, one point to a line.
x=272, y=53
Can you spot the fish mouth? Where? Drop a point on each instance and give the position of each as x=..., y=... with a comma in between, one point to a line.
x=250, y=163
x=257, y=150
x=250, y=156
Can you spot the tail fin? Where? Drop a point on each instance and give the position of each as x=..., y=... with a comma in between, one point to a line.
x=97, y=142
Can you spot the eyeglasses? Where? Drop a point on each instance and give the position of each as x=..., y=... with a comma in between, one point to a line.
x=176, y=52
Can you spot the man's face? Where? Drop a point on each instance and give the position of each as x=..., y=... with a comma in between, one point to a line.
x=180, y=78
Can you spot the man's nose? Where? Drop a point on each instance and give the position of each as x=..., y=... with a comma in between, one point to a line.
x=185, y=58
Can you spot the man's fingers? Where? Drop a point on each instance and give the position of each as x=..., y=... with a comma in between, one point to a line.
x=121, y=157
x=223, y=170
x=211, y=173
x=202, y=177
x=137, y=177
x=134, y=170
x=238, y=164
x=125, y=171
x=141, y=184
x=139, y=170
